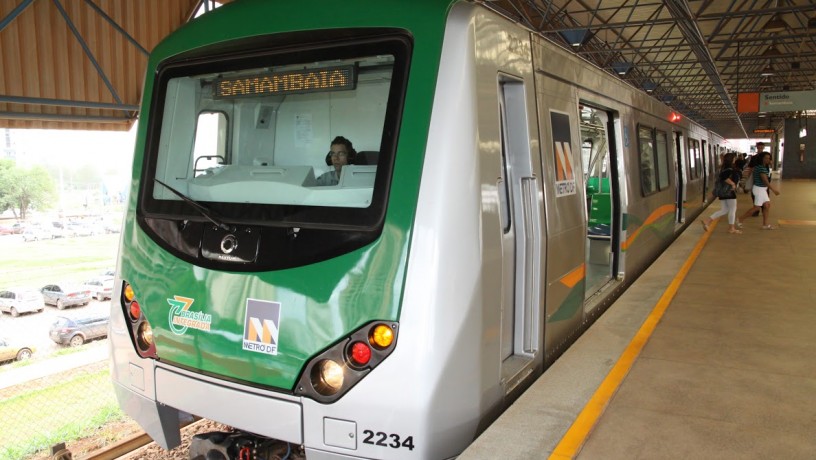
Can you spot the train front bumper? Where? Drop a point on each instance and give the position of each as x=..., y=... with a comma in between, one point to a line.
x=178, y=394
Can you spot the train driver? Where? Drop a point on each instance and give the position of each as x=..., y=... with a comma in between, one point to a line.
x=341, y=153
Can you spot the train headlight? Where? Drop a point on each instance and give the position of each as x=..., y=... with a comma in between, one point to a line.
x=144, y=336
x=141, y=334
x=327, y=377
x=335, y=370
x=381, y=336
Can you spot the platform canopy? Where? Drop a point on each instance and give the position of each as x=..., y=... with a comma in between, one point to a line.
x=79, y=64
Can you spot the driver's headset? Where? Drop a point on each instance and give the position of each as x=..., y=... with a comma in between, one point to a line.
x=352, y=155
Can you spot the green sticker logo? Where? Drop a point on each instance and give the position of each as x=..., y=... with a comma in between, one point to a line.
x=181, y=317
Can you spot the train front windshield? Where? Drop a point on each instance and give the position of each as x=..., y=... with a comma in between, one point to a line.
x=249, y=137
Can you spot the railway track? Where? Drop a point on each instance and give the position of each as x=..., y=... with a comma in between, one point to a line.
x=140, y=447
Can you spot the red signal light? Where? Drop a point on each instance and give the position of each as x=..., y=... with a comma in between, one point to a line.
x=135, y=310
x=674, y=117
x=360, y=353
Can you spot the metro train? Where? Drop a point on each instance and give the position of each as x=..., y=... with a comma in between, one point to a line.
x=503, y=194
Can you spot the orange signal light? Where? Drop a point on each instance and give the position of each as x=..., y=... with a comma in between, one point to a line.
x=674, y=117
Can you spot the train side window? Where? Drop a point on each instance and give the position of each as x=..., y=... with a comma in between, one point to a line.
x=694, y=158
x=210, y=145
x=648, y=179
x=662, y=159
x=504, y=192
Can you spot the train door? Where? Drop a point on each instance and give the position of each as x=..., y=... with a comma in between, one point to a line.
x=521, y=240
x=681, y=178
x=704, y=167
x=597, y=156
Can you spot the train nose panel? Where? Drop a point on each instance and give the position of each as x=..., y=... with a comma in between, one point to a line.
x=259, y=412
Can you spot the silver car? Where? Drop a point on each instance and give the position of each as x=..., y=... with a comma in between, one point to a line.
x=65, y=295
x=21, y=300
x=99, y=288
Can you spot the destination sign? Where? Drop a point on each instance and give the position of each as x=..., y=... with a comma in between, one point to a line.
x=288, y=82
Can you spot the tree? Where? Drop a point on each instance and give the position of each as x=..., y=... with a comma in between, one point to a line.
x=6, y=167
x=24, y=189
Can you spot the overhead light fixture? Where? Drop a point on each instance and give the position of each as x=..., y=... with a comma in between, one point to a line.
x=768, y=71
x=649, y=86
x=622, y=68
x=666, y=98
x=812, y=23
x=576, y=37
x=775, y=24
x=795, y=65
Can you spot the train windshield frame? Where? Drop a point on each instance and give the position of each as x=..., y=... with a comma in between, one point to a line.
x=243, y=130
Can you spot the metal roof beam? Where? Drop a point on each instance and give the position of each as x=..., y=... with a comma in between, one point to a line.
x=87, y=50
x=14, y=13
x=685, y=21
x=62, y=117
x=116, y=26
x=67, y=103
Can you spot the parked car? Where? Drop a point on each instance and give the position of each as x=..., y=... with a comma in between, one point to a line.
x=65, y=295
x=100, y=288
x=13, y=351
x=58, y=229
x=6, y=230
x=78, y=229
x=37, y=233
x=21, y=300
x=75, y=332
x=112, y=227
x=17, y=228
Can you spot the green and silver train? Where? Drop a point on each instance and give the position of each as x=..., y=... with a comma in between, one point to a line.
x=503, y=193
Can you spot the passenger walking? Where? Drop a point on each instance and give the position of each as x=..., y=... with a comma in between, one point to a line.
x=727, y=181
x=761, y=185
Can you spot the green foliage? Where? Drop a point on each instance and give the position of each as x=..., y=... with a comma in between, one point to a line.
x=65, y=411
x=5, y=187
x=23, y=189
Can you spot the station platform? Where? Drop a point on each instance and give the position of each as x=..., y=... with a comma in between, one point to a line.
x=710, y=354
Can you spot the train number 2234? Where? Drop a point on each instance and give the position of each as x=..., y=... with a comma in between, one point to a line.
x=387, y=440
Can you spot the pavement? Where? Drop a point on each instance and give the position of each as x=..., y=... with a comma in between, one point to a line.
x=96, y=351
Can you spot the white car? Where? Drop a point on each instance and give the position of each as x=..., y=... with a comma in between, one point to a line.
x=101, y=287
x=37, y=234
x=21, y=300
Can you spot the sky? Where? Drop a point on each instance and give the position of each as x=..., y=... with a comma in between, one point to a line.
x=110, y=152
x=68, y=152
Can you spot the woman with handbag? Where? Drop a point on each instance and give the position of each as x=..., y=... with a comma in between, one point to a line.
x=726, y=190
x=761, y=185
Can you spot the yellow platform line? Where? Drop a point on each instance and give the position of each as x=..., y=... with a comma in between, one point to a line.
x=797, y=222
x=576, y=435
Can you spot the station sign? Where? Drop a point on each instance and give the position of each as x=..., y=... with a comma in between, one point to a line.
x=782, y=101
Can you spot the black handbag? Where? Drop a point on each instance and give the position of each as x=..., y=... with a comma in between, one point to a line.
x=723, y=190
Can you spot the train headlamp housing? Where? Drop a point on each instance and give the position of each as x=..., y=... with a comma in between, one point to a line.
x=330, y=374
x=141, y=333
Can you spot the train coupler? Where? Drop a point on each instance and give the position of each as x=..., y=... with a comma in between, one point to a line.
x=220, y=445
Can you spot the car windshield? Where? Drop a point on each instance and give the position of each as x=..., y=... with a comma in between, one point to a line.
x=62, y=322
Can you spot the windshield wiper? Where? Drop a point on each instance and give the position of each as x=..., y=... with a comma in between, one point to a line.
x=210, y=215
